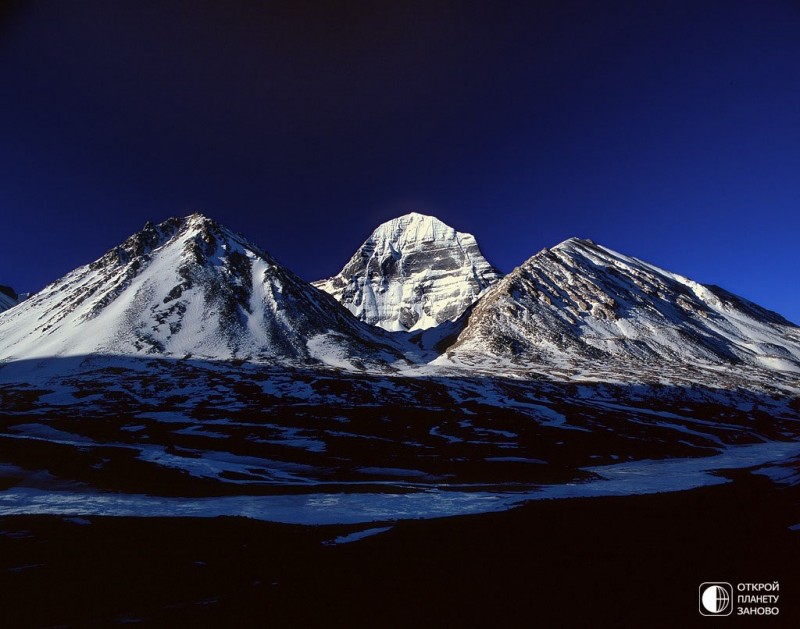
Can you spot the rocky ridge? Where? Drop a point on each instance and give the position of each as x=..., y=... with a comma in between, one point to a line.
x=581, y=302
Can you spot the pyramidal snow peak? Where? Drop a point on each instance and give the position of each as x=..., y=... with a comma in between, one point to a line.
x=413, y=272
x=583, y=302
x=187, y=287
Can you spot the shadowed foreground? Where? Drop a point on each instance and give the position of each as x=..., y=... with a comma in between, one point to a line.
x=628, y=561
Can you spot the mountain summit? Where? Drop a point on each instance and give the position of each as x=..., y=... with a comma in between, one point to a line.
x=186, y=287
x=413, y=272
x=582, y=302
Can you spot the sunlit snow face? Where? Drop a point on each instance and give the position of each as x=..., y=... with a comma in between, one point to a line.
x=413, y=273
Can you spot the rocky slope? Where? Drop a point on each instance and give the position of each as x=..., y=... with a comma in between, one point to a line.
x=582, y=302
x=412, y=273
x=188, y=287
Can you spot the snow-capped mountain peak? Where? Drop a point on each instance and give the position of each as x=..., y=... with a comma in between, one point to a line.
x=412, y=229
x=580, y=302
x=413, y=272
x=185, y=287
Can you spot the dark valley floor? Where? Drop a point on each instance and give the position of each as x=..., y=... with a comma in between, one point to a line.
x=630, y=562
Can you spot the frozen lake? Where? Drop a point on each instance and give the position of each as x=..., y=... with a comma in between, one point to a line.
x=639, y=477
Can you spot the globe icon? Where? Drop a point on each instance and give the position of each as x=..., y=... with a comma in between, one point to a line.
x=716, y=599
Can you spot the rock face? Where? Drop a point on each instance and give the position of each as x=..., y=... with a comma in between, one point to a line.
x=580, y=301
x=187, y=287
x=412, y=273
x=8, y=297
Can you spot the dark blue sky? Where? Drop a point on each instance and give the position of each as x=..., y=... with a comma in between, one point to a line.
x=667, y=130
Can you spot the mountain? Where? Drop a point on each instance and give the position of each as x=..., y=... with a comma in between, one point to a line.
x=581, y=365
x=8, y=297
x=583, y=302
x=412, y=273
x=187, y=287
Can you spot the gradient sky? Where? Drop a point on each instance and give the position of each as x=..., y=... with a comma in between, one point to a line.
x=667, y=130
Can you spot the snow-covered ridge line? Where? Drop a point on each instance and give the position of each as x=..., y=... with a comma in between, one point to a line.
x=579, y=303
